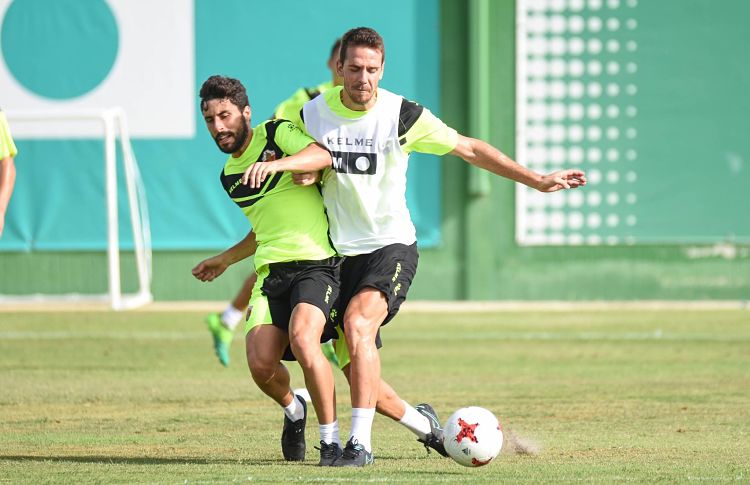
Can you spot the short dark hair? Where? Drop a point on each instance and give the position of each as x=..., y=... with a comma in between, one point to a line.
x=335, y=48
x=361, y=37
x=222, y=87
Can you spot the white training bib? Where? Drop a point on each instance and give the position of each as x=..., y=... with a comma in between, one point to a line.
x=365, y=190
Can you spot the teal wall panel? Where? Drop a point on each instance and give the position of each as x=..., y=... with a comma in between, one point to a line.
x=477, y=257
x=274, y=48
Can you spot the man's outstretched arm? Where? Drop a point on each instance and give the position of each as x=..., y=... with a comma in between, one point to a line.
x=483, y=155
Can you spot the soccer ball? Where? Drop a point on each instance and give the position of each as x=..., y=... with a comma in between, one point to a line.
x=473, y=436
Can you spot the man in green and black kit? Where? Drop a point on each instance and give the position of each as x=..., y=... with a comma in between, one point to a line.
x=297, y=269
x=223, y=324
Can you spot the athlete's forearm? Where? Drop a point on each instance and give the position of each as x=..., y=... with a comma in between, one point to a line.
x=485, y=156
x=243, y=249
x=311, y=159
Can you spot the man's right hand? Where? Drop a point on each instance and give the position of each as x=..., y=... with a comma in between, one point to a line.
x=306, y=178
x=210, y=269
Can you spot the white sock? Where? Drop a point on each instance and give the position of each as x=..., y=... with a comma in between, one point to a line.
x=231, y=317
x=294, y=411
x=362, y=426
x=329, y=433
x=415, y=422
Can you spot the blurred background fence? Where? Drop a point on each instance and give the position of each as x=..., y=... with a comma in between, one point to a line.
x=646, y=96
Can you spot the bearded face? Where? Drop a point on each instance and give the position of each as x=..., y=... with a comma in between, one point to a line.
x=228, y=126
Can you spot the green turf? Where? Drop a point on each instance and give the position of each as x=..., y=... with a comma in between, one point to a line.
x=607, y=396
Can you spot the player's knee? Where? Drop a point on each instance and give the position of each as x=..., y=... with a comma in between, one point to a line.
x=303, y=335
x=305, y=329
x=261, y=370
x=304, y=346
x=360, y=330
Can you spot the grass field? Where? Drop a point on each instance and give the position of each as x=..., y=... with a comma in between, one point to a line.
x=607, y=396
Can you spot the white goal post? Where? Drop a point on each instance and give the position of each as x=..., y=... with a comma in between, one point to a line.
x=114, y=124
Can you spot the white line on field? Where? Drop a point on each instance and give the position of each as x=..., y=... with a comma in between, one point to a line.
x=414, y=306
x=656, y=335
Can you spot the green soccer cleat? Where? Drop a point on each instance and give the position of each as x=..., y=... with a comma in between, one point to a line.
x=330, y=352
x=222, y=337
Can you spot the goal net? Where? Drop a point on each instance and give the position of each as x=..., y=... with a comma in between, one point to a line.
x=111, y=125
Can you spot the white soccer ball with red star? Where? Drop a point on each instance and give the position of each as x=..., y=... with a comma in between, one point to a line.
x=473, y=436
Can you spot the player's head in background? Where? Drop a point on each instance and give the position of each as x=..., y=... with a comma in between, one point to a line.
x=361, y=63
x=333, y=60
x=226, y=111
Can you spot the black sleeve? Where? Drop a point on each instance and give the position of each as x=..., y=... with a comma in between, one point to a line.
x=410, y=113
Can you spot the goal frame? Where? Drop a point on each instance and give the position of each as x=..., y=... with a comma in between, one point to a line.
x=114, y=124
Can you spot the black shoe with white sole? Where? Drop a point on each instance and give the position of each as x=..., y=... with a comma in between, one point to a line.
x=293, y=435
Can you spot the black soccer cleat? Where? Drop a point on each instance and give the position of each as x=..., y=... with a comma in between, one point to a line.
x=354, y=455
x=434, y=438
x=329, y=453
x=293, y=436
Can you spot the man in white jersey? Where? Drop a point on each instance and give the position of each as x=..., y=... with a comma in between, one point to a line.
x=370, y=133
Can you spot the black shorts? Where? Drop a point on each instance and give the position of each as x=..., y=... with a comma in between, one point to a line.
x=390, y=270
x=291, y=283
